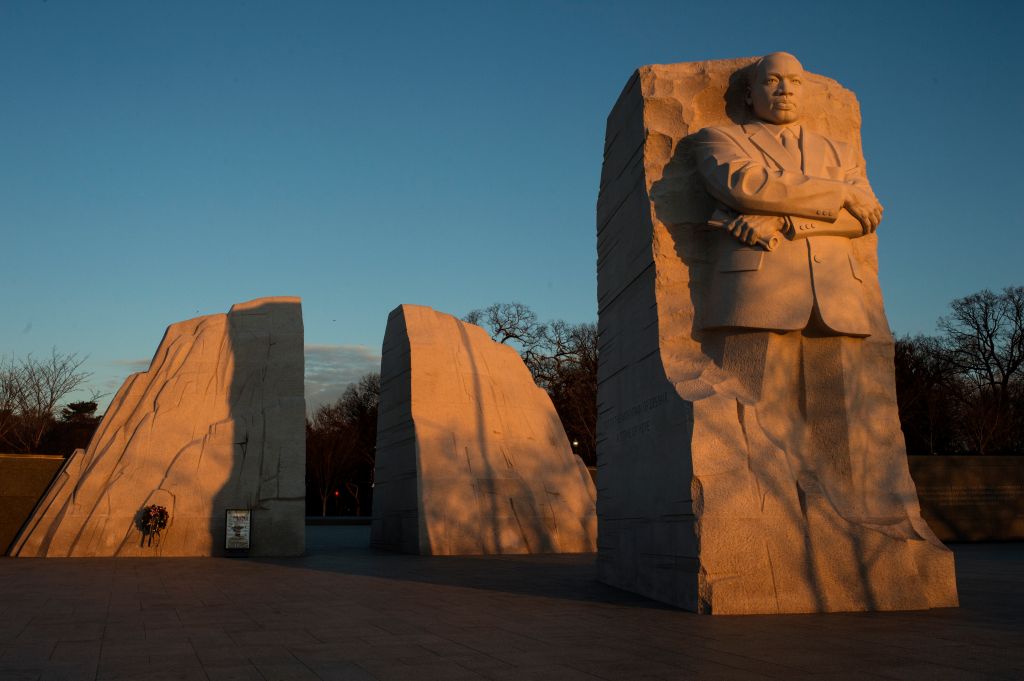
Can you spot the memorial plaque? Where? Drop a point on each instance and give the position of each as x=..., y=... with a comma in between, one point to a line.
x=239, y=522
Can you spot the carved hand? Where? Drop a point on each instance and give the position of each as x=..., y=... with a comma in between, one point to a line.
x=750, y=228
x=864, y=206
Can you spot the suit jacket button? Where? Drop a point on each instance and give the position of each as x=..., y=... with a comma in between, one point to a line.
x=817, y=258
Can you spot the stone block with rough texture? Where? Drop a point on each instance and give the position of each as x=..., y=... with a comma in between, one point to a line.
x=217, y=422
x=760, y=472
x=471, y=456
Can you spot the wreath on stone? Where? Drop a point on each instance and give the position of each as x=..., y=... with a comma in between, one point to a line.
x=153, y=519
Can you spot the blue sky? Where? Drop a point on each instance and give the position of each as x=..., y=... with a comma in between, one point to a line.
x=164, y=160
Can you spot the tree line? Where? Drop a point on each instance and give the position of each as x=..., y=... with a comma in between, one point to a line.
x=960, y=391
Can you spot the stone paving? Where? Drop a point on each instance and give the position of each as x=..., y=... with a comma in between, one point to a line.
x=346, y=613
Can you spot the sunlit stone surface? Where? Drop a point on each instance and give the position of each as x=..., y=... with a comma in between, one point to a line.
x=758, y=468
x=471, y=456
x=217, y=422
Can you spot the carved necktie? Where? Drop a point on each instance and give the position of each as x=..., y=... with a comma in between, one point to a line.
x=791, y=143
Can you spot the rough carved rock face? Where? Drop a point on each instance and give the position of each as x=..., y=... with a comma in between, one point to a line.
x=741, y=471
x=471, y=456
x=217, y=422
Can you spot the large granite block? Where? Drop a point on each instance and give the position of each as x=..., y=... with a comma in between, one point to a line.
x=746, y=465
x=217, y=422
x=471, y=456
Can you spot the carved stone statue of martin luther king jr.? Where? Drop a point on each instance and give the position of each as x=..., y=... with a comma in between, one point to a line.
x=785, y=312
x=750, y=455
x=792, y=199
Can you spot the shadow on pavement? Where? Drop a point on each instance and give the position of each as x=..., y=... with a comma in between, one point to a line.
x=988, y=575
x=345, y=550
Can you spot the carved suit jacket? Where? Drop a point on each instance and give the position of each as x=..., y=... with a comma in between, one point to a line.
x=747, y=170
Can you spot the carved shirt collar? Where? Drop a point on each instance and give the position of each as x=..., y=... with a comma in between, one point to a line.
x=776, y=130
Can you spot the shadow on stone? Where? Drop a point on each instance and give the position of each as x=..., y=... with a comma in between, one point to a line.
x=216, y=422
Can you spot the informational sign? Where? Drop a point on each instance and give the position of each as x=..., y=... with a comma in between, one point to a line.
x=239, y=522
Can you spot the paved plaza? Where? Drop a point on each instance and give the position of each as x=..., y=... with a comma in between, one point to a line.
x=345, y=612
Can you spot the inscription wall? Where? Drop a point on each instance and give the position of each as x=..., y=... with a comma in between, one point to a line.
x=971, y=498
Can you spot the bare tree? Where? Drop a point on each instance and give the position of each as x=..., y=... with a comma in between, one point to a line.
x=926, y=384
x=567, y=369
x=340, y=443
x=985, y=337
x=512, y=323
x=329, y=445
x=984, y=344
x=31, y=390
x=8, y=398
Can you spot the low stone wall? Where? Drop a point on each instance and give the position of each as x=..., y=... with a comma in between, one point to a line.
x=971, y=498
x=24, y=478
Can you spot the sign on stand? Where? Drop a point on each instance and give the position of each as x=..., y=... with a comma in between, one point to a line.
x=239, y=524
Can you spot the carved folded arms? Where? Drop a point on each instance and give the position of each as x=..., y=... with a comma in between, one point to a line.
x=763, y=197
x=740, y=180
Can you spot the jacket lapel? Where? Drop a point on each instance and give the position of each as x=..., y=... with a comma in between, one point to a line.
x=818, y=155
x=772, y=148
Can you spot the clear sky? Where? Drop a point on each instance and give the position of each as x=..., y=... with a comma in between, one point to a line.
x=161, y=160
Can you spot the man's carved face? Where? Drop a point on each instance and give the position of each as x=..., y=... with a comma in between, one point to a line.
x=775, y=89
